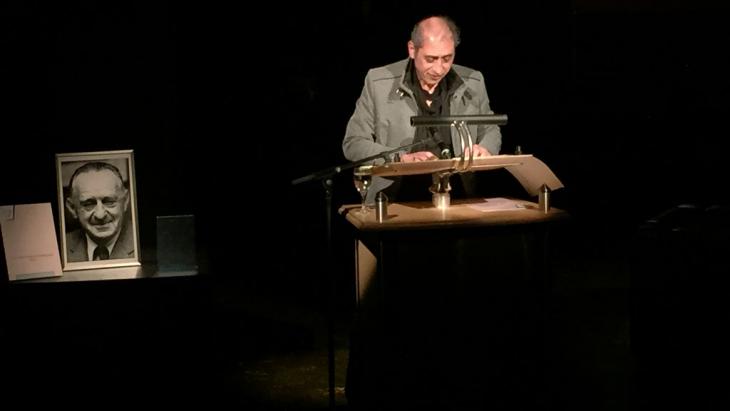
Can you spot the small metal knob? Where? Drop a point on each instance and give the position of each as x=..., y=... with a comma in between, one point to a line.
x=381, y=207
x=543, y=201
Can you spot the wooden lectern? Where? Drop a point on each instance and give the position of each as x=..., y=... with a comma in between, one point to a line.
x=447, y=297
x=532, y=173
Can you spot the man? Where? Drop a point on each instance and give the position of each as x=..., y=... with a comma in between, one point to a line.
x=99, y=201
x=427, y=83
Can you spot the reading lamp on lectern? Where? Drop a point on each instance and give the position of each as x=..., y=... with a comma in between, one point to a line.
x=482, y=119
x=440, y=189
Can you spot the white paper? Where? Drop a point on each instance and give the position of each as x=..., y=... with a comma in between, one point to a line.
x=497, y=204
x=31, y=246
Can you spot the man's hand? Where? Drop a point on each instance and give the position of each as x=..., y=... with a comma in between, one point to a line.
x=417, y=156
x=479, y=151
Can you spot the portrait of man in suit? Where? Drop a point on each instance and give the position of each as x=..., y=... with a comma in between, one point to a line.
x=98, y=207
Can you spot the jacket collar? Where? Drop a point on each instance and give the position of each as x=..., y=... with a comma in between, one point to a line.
x=401, y=89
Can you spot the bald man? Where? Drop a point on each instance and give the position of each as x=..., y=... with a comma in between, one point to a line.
x=427, y=83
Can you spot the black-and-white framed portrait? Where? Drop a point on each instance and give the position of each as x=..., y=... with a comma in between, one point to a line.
x=97, y=203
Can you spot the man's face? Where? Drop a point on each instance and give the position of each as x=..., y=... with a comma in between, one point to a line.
x=432, y=61
x=99, y=201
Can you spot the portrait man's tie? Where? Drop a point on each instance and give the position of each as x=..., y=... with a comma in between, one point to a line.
x=101, y=253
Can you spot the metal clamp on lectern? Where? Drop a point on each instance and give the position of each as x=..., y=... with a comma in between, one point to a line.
x=441, y=188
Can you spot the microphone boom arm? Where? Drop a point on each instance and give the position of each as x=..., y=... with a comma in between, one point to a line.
x=329, y=172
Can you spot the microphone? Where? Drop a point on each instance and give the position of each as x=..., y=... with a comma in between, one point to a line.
x=444, y=150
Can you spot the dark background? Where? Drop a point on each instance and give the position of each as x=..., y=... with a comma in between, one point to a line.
x=225, y=105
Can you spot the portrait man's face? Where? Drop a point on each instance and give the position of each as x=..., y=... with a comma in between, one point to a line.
x=99, y=202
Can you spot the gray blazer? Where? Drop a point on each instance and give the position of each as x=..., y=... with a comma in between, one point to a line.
x=382, y=117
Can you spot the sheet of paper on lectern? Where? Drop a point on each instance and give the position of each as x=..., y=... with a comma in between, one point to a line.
x=497, y=204
x=29, y=240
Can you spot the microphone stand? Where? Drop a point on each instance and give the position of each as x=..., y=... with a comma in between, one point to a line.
x=326, y=176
